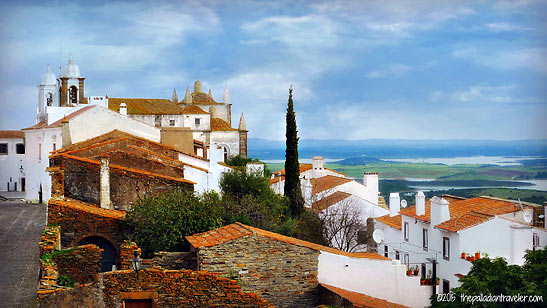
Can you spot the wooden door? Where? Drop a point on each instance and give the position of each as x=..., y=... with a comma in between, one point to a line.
x=138, y=303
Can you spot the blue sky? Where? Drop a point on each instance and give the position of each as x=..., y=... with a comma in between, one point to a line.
x=359, y=69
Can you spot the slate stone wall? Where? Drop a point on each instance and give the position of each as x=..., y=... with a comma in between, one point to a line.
x=282, y=273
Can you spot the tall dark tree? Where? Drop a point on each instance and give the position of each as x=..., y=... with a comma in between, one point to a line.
x=292, y=166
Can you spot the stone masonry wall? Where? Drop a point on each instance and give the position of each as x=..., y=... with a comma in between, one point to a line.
x=79, y=221
x=81, y=264
x=282, y=273
x=175, y=260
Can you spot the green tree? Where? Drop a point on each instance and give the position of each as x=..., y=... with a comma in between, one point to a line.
x=292, y=165
x=241, y=162
x=161, y=222
x=495, y=277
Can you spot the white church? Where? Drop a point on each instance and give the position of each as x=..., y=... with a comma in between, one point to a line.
x=198, y=118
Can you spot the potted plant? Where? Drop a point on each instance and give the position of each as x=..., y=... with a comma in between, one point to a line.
x=477, y=255
x=468, y=257
x=409, y=271
x=422, y=279
x=463, y=255
x=416, y=270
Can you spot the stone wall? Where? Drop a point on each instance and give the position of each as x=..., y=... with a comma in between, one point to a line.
x=51, y=239
x=282, y=273
x=165, y=288
x=175, y=260
x=81, y=264
x=78, y=221
x=80, y=180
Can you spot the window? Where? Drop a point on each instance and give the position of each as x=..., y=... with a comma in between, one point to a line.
x=446, y=286
x=406, y=231
x=397, y=255
x=197, y=121
x=54, y=146
x=171, y=122
x=385, y=251
x=225, y=154
x=446, y=248
x=406, y=259
x=424, y=239
x=73, y=95
x=20, y=148
x=535, y=240
x=39, y=151
x=157, y=121
x=3, y=149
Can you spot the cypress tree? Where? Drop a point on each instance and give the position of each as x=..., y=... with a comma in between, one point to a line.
x=292, y=166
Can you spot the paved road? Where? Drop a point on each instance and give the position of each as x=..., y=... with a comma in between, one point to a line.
x=20, y=228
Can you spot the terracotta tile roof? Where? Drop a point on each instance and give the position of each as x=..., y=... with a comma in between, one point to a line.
x=202, y=98
x=219, y=124
x=144, y=105
x=165, y=157
x=238, y=230
x=306, y=167
x=88, y=207
x=58, y=123
x=394, y=221
x=327, y=182
x=11, y=134
x=277, y=179
x=192, y=109
x=138, y=171
x=326, y=202
x=459, y=275
x=464, y=213
x=362, y=300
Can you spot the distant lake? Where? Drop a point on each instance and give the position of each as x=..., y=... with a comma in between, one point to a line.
x=537, y=185
x=469, y=160
x=302, y=160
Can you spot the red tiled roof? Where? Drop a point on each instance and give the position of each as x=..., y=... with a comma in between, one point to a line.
x=144, y=105
x=202, y=98
x=192, y=109
x=58, y=123
x=327, y=182
x=238, y=230
x=326, y=202
x=88, y=207
x=306, y=167
x=464, y=213
x=392, y=221
x=220, y=125
x=12, y=134
x=362, y=300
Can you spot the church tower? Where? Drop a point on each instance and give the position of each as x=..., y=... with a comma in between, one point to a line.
x=47, y=94
x=72, y=85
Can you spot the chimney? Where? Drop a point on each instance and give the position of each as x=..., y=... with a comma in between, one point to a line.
x=197, y=86
x=213, y=112
x=210, y=93
x=65, y=130
x=123, y=109
x=440, y=211
x=318, y=168
x=420, y=203
x=370, y=180
x=105, y=184
x=394, y=204
x=306, y=191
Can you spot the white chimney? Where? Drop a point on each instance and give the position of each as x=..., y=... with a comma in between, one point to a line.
x=370, y=180
x=318, y=167
x=440, y=211
x=420, y=203
x=123, y=109
x=394, y=204
x=306, y=191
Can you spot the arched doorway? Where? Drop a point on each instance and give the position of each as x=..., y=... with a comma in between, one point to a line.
x=108, y=255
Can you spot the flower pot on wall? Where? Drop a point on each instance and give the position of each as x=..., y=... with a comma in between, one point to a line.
x=477, y=255
x=463, y=255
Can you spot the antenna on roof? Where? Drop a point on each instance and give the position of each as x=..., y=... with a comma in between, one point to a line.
x=378, y=236
x=403, y=203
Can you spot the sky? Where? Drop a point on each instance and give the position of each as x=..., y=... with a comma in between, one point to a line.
x=359, y=69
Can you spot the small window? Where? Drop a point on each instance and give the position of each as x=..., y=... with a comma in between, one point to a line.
x=171, y=122
x=73, y=95
x=406, y=231
x=39, y=151
x=446, y=248
x=406, y=259
x=424, y=239
x=446, y=286
x=397, y=255
x=535, y=240
x=49, y=99
x=197, y=121
x=3, y=149
x=385, y=251
x=20, y=148
x=54, y=146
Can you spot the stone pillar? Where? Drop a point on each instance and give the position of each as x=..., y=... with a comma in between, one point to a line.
x=105, y=184
x=81, y=99
x=243, y=143
x=65, y=131
x=127, y=250
x=64, y=91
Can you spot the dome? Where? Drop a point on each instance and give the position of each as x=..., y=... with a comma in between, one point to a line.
x=48, y=78
x=71, y=69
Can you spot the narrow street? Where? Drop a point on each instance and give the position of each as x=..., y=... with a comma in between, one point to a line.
x=20, y=228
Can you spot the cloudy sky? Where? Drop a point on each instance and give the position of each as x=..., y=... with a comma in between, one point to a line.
x=359, y=69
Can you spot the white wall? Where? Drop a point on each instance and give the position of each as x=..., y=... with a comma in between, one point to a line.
x=226, y=138
x=377, y=278
x=189, y=120
x=198, y=176
x=11, y=163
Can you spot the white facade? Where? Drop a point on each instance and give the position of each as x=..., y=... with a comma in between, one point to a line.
x=12, y=164
x=507, y=236
x=384, y=279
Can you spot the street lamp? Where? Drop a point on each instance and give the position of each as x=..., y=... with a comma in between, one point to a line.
x=136, y=262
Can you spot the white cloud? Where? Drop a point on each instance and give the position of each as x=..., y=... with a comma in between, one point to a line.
x=479, y=94
x=505, y=26
x=391, y=71
x=525, y=58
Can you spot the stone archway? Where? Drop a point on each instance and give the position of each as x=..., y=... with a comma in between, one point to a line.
x=109, y=255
